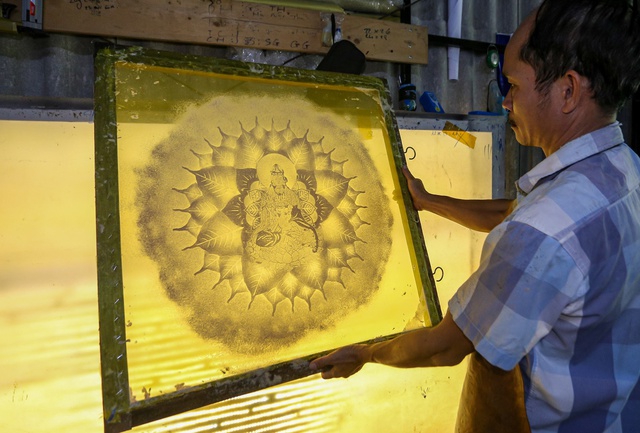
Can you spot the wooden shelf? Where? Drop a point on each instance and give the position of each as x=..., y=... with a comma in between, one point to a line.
x=234, y=23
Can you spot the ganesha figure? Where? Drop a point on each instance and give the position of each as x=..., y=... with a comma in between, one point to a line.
x=280, y=214
x=281, y=221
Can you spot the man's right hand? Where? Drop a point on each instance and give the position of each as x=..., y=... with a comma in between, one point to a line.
x=419, y=194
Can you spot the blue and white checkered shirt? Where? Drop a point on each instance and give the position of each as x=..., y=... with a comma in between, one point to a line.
x=557, y=291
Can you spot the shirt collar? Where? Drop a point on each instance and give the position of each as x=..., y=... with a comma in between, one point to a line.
x=570, y=153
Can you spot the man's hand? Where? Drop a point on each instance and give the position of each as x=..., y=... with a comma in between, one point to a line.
x=343, y=362
x=419, y=194
x=476, y=214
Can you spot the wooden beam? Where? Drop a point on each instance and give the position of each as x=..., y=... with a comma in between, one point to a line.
x=387, y=40
x=233, y=23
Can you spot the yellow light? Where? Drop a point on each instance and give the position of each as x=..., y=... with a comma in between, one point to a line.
x=48, y=312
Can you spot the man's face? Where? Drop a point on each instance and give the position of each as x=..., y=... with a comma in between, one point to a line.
x=529, y=110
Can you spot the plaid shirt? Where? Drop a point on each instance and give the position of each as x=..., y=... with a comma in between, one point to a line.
x=557, y=291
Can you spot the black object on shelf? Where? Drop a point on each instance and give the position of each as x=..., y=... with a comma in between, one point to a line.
x=345, y=57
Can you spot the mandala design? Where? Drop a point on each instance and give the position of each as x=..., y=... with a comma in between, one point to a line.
x=273, y=214
x=263, y=235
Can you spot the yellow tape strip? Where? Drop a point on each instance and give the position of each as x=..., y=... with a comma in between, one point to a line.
x=459, y=134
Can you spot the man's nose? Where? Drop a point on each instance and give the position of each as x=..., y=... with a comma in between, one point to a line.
x=507, y=102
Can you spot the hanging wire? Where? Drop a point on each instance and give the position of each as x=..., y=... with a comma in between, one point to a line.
x=293, y=58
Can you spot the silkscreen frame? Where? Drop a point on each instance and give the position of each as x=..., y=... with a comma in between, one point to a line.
x=120, y=412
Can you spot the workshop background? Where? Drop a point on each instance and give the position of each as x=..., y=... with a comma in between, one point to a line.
x=49, y=352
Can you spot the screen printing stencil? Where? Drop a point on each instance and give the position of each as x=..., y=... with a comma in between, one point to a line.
x=249, y=218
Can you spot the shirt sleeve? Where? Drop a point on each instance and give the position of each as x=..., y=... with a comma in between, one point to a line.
x=524, y=281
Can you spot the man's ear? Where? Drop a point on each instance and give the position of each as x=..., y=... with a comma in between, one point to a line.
x=574, y=89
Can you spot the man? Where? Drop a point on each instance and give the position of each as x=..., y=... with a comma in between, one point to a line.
x=557, y=292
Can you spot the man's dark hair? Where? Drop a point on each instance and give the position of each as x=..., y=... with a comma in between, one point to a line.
x=599, y=39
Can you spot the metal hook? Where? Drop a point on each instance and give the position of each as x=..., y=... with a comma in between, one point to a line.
x=414, y=152
x=441, y=271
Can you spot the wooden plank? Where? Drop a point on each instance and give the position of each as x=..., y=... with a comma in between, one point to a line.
x=216, y=22
x=232, y=23
x=387, y=39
